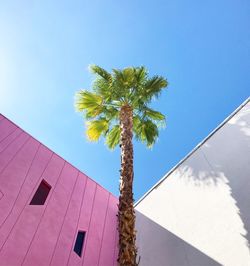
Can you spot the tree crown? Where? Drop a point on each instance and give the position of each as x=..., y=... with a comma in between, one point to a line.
x=131, y=87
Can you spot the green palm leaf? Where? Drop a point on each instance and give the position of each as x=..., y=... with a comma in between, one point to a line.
x=103, y=88
x=113, y=137
x=153, y=87
x=101, y=72
x=145, y=130
x=158, y=118
x=150, y=130
x=155, y=115
x=89, y=102
x=140, y=74
x=96, y=128
x=130, y=86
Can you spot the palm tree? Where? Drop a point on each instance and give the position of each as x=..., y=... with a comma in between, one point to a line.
x=117, y=108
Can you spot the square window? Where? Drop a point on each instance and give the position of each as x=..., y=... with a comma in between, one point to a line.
x=79, y=243
x=41, y=194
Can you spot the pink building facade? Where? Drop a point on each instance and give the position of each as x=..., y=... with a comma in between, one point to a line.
x=50, y=212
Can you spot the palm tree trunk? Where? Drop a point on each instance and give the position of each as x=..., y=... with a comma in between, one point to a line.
x=126, y=213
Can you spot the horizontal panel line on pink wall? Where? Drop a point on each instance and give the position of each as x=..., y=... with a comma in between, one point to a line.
x=66, y=238
x=6, y=128
x=12, y=154
x=20, y=187
x=10, y=133
x=78, y=219
x=87, y=231
x=96, y=227
x=103, y=229
x=64, y=217
x=8, y=140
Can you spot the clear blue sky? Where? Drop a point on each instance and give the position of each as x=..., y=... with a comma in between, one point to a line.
x=202, y=47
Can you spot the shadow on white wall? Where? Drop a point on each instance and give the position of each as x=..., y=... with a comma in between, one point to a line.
x=205, y=201
x=165, y=248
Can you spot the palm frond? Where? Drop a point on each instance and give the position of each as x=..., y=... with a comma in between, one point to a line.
x=129, y=86
x=155, y=115
x=103, y=88
x=140, y=74
x=101, y=72
x=158, y=118
x=111, y=113
x=96, y=128
x=89, y=102
x=128, y=77
x=151, y=133
x=113, y=137
x=153, y=87
x=145, y=130
x=118, y=79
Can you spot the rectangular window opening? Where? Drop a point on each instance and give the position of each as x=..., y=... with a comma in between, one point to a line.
x=79, y=243
x=41, y=194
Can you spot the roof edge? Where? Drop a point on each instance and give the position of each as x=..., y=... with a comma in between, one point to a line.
x=193, y=150
x=80, y=171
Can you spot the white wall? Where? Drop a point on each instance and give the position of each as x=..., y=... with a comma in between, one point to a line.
x=199, y=214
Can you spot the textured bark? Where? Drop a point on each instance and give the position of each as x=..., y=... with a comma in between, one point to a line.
x=126, y=214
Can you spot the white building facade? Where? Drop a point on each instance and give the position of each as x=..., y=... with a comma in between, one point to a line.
x=199, y=213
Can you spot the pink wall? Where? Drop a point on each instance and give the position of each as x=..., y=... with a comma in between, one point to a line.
x=45, y=234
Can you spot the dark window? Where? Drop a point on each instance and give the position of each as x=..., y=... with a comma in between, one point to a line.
x=41, y=194
x=79, y=243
